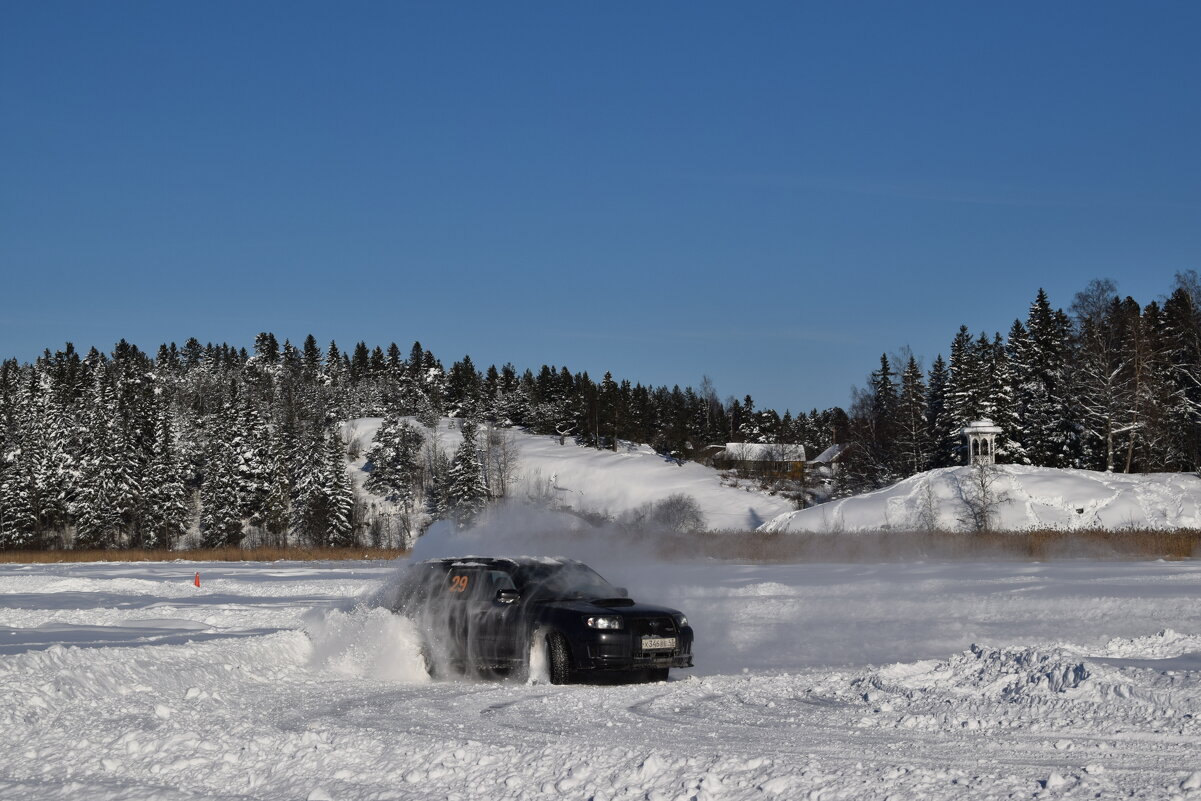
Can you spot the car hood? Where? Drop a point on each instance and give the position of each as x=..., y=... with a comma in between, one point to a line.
x=613, y=606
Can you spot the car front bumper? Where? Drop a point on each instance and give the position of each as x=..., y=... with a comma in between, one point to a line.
x=621, y=650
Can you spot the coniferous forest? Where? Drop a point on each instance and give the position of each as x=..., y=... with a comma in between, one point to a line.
x=212, y=445
x=1107, y=385
x=215, y=446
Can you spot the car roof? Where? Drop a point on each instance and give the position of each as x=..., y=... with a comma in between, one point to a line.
x=501, y=562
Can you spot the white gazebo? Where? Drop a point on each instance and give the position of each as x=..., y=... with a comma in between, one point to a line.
x=981, y=436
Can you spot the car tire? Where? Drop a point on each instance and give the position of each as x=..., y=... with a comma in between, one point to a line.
x=558, y=658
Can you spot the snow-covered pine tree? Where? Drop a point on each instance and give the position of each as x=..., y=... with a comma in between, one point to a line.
x=336, y=372
x=309, y=503
x=360, y=363
x=221, y=489
x=965, y=390
x=165, y=509
x=1017, y=357
x=97, y=511
x=882, y=441
x=310, y=359
x=250, y=448
x=394, y=461
x=18, y=520
x=339, y=494
x=130, y=478
x=463, y=388
x=912, y=423
x=490, y=394
x=748, y=420
x=565, y=405
x=220, y=506
x=767, y=421
x=1181, y=338
x=512, y=403
x=1048, y=424
x=409, y=395
x=943, y=436
x=275, y=514
x=999, y=402
x=609, y=412
x=437, y=489
x=466, y=491
x=432, y=381
x=31, y=444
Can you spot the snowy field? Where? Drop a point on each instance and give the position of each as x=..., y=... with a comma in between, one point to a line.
x=1076, y=679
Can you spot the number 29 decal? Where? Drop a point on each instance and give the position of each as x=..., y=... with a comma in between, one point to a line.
x=458, y=584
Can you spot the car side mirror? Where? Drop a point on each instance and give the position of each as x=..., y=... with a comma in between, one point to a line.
x=507, y=596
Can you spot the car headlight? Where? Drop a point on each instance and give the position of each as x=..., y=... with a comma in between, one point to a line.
x=681, y=621
x=608, y=622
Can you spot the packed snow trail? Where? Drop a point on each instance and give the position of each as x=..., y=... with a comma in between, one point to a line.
x=328, y=701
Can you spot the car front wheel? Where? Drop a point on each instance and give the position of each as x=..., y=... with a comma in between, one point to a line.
x=558, y=658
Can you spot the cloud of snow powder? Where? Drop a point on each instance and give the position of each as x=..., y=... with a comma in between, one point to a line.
x=368, y=643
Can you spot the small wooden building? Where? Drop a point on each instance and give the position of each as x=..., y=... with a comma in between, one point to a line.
x=766, y=460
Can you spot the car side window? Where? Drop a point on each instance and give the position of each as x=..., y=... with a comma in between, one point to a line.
x=500, y=580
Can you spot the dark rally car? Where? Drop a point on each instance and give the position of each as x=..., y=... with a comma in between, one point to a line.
x=501, y=615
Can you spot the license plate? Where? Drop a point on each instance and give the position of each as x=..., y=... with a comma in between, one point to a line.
x=658, y=643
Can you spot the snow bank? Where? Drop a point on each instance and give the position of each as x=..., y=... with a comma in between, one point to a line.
x=1000, y=674
x=1023, y=498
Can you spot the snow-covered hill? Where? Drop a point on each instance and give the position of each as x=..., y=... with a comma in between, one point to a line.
x=1022, y=498
x=604, y=482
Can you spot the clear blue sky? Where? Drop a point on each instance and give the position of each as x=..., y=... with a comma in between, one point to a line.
x=771, y=194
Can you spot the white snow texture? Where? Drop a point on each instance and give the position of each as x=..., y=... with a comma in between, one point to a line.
x=1075, y=679
x=1021, y=498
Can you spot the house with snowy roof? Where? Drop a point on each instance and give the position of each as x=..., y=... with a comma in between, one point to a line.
x=829, y=458
x=775, y=460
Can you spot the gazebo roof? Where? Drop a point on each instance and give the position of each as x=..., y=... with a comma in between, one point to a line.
x=984, y=426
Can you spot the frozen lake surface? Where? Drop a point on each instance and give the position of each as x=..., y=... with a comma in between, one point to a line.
x=1073, y=679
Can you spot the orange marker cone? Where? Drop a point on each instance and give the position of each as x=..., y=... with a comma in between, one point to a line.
x=196, y=581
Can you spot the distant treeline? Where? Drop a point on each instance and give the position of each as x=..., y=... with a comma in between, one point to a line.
x=1112, y=385
x=219, y=444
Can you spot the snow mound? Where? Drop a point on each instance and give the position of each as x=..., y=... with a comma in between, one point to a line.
x=1000, y=674
x=1167, y=644
x=1022, y=498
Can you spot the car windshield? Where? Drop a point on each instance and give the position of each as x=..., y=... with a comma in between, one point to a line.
x=564, y=580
